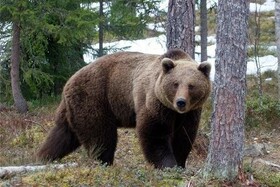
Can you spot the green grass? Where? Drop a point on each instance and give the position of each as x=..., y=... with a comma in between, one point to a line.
x=21, y=136
x=107, y=176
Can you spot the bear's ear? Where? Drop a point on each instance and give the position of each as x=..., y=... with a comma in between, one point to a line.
x=205, y=68
x=167, y=64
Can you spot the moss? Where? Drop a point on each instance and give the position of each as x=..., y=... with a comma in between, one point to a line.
x=267, y=176
x=106, y=176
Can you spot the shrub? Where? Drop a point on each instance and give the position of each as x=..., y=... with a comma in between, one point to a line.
x=262, y=112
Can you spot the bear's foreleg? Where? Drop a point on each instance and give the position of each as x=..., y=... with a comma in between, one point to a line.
x=184, y=135
x=157, y=151
x=155, y=141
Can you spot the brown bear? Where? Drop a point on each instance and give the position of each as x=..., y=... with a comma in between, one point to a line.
x=160, y=95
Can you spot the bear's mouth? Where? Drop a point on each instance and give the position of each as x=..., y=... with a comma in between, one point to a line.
x=181, y=110
x=181, y=105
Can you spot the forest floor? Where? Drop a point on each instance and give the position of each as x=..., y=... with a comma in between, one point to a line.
x=21, y=135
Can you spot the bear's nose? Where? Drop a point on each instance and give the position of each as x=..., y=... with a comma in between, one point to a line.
x=181, y=103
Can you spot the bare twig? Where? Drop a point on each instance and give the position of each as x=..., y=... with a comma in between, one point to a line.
x=32, y=121
x=268, y=163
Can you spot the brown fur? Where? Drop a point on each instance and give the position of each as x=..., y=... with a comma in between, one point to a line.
x=132, y=90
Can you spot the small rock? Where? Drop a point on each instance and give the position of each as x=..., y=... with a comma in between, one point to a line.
x=255, y=150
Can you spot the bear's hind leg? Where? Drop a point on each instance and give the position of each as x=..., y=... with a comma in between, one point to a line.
x=61, y=139
x=101, y=141
x=109, y=146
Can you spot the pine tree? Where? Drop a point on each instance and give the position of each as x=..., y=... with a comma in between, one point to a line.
x=180, y=25
x=227, y=122
x=203, y=29
x=13, y=12
x=55, y=34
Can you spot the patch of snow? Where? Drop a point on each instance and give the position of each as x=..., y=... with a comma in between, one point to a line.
x=158, y=27
x=163, y=5
x=268, y=79
x=197, y=28
x=211, y=3
x=157, y=45
x=211, y=39
x=272, y=48
x=197, y=38
x=268, y=62
x=154, y=45
x=269, y=5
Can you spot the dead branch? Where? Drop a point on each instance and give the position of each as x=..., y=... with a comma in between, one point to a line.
x=12, y=170
x=268, y=163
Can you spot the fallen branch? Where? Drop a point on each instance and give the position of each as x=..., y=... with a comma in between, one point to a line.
x=268, y=163
x=12, y=170
x=37, y=124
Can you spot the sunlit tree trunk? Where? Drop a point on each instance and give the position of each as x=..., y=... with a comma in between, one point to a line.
x=203, y=29
x=227, y=121
x=277, y=29
x=180, y=25
x=19, y=100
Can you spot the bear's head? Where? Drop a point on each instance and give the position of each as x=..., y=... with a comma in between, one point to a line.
x=183, y=84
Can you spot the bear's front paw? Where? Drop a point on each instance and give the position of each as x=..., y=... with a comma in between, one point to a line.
x=166, y=162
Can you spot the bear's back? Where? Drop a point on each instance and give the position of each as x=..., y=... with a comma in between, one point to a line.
x=123, y=72
x=109, y=81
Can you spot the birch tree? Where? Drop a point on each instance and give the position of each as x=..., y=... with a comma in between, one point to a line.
x=227, y=121
x=180, y=25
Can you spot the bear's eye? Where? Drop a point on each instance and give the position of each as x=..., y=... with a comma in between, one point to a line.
x=191, y=87
x=176, y=84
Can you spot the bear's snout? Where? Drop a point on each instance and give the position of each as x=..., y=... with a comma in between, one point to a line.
x=181, y=103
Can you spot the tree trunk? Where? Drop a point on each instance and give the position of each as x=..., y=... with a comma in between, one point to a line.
x=277, y=30
x=180, y=25
x=203, y=29
x=227, y=122
x=100, y=32
x=19, y=100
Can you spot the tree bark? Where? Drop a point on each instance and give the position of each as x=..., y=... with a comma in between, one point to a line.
x=101, y=31
x=19, y=100
x=203, y=30
x=180, y=25
x=227, y=122
x=277, y=30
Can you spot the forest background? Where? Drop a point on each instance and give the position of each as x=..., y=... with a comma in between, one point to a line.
x=54, y=37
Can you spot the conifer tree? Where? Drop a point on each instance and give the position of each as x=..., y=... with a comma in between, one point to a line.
x=225, y=155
